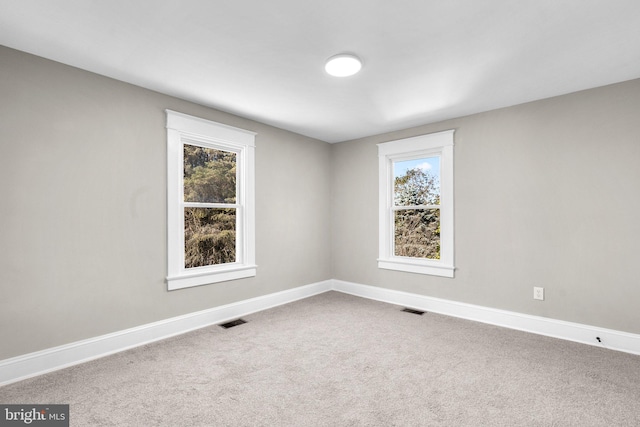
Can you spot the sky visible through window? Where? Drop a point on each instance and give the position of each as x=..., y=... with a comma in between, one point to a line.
x=429, y=164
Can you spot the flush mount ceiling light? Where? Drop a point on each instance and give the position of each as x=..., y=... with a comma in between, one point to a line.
x=343, y=65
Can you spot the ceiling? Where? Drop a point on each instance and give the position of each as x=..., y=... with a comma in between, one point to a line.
x=424, y=60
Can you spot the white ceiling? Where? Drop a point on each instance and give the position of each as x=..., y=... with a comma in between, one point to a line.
x=424, y=60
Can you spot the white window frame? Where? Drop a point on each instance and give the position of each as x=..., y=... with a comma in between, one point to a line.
x=181, y=129
x=430, y=145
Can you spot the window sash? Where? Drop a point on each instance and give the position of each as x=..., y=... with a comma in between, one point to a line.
x=239, y=252
x=239, y=247
x=211, y=205
x=236, y=249
x=406, y=207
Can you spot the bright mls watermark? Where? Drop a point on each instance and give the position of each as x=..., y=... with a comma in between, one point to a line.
x=34, y=415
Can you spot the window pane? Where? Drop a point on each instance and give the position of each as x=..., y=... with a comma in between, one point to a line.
x=417, y=233
x=209, y=236
x=416, y=182
x=209, y=175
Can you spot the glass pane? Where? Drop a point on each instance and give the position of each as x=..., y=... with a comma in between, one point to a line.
x=416, y=182
x=417, y=233
x=209, y=236
x=209, y=175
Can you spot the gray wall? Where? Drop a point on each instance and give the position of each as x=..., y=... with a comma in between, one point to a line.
x=546, y=194
x=83, y=207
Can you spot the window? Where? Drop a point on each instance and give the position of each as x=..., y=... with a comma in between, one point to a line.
x=210, y=197
x=416, y=204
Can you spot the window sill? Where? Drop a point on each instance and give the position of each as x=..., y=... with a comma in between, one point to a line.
x=188, y=280
x=419, y=267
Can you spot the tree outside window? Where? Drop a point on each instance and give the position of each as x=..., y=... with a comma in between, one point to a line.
x=417, y=208
x=210, y=232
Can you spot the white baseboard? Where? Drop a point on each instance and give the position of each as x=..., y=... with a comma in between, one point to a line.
x=585, y=334
x=41, y=362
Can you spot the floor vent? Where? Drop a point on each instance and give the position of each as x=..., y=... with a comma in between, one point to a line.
x=233, y=323
x=412, y=311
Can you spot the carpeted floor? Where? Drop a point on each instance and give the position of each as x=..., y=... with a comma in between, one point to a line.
x=339, y=360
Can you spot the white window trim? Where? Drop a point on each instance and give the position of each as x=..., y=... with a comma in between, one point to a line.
x=440, y=144
x=181, y=129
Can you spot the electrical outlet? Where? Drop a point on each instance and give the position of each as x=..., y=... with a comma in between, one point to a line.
x=538, y=293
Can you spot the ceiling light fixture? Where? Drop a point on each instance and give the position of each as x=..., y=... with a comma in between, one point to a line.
x=343, y=65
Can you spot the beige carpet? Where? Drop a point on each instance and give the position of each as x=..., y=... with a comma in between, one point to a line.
x=338, y=360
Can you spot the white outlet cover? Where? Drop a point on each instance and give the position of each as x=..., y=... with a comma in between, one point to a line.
x=538, y=293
